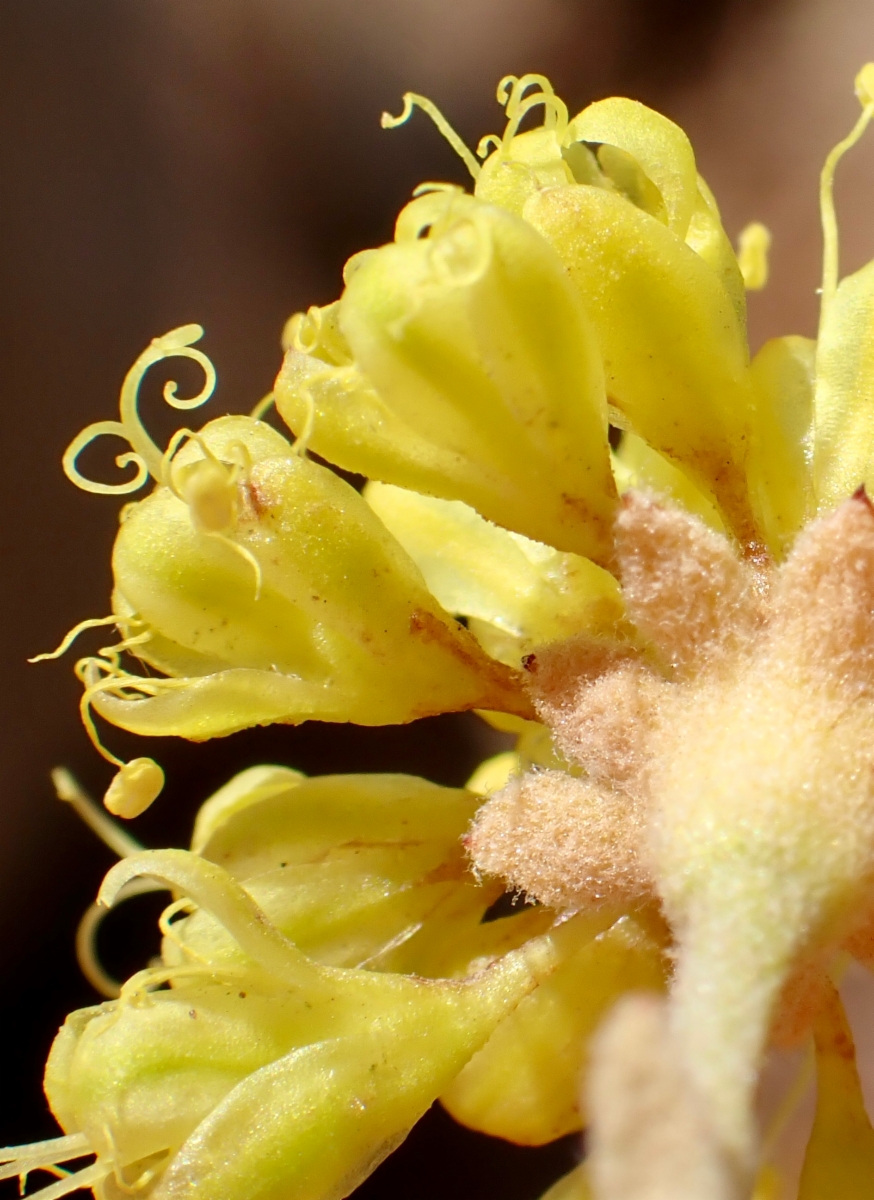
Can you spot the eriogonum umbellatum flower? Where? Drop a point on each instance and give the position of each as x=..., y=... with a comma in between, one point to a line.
x=679, y=630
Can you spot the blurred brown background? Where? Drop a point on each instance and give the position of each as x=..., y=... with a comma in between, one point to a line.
x=166, y=161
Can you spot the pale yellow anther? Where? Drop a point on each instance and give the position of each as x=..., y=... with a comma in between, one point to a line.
x=136, y=785
x=752, y=255
x=209, y=488
x=495, y=773
x=865, y=85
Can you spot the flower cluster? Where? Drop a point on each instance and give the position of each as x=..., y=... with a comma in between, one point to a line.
x=592, y=519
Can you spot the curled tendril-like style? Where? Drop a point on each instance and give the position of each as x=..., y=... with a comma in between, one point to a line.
x=213, y=889
x=556, y=115
x=305, y=329
x=413, y=100
x=433, y=186
x=511, y=95
x=512, y=98
x=487, y=144
x=144, y=454
x=106, y=675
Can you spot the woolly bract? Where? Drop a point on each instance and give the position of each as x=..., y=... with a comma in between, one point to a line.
x=680, y=632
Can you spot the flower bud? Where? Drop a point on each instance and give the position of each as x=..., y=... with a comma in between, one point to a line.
x=232, y=1082
x=470, y=337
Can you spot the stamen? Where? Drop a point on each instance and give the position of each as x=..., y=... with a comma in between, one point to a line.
x=112, y=835
x=52, y=1150
x=85, y=1178
x=263, y=406
x=168, y=929
x=216, y=891
x=512, y=88
x=134, y=788
x=101, y=685
x=144, y=453
x=83, y=439
x=427, y=189
x=830, y=254
x=209, y=489
x=139, y=987
x=245, y=554
x=139, y=782
x=486, y=144
x=411, y=101
x=113, y=653
x=752, y=255
x=86, y=938
x=91, y=623
x=511, y=95
x=556, y=115
x=302, y=441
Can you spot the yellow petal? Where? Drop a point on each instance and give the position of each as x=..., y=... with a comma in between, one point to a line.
x=476, y=569
x=532, y=160
x=206, y=1074
x=573, y=1186
x=474, y=338
x=636, y=465
x=674, y=351
x=416, y=824
x=781, y=450
x=345, y=866
x=525, y=1083
x=659, y=146
x=248, y=787
x=491, y=775
x=840, y=1154
x=844, y=416
x=708, y=239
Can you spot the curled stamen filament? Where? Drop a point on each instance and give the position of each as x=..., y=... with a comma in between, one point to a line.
x=85, y=1178
x=411, y=101
x=491, y=141
x=301, y=442
x=556, y=115
x=144, y=454
x=139, y=987
x=91, y=623
x=47, y=1153
x=86, y=939
x=113, y=679
x=512, y=88
x=168, y=929
x=215, y=890
x=111, y=834
x=262, y=407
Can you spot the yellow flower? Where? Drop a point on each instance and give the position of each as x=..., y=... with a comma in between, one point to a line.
x=689, y=670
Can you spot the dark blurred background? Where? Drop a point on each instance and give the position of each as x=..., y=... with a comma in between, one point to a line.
x=166, y=161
